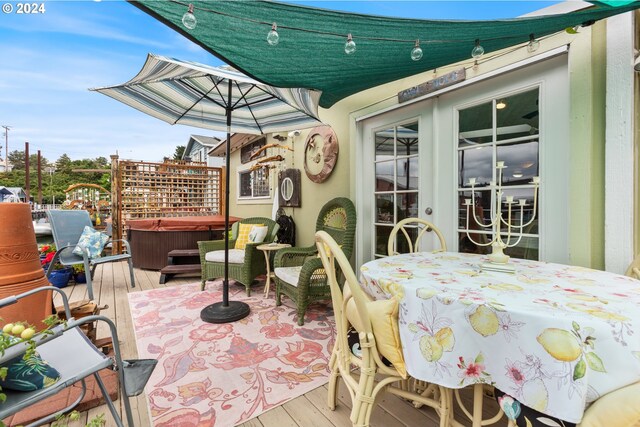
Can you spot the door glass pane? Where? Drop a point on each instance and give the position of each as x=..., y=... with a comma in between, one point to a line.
x=521, y=161
x=402, y=244
x=407, y=139
x=517, y=115
x=384, y=208
x=476, y=125
x=407, y=170
x=527, y=194
x=407, y=206
x=382, y=238
x=475, y=163
x=384, y=176
x=384, y=141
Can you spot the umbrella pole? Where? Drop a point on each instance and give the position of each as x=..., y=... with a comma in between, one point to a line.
x=225, y=311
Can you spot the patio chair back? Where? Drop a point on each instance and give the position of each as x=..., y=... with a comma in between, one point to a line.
x=67, y=227
x=338, y=219
x=413, y=230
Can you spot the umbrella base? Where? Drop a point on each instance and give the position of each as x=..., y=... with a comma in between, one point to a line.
x=218, y=313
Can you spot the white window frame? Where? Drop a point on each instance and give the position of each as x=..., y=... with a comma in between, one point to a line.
x=252, y=197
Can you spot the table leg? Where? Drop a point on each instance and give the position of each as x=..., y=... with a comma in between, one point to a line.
x=478, y=397
x=268, y=282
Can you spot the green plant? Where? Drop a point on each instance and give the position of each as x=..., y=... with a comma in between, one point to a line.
x=78, y=268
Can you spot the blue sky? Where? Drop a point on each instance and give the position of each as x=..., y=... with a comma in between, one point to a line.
x=48, y=61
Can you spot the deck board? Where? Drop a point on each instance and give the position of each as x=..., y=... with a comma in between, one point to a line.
x=111, y=285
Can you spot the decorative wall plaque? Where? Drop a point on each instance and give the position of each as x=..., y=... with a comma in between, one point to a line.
x=438, y=83
x=320, y=153
x=289, y=188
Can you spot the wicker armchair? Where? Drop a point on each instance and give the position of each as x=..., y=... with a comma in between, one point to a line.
x=298, y=271
x=252, y=260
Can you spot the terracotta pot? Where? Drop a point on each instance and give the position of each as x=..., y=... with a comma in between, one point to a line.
x=20, y=268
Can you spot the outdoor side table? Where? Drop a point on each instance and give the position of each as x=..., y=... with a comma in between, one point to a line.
x=267, y=248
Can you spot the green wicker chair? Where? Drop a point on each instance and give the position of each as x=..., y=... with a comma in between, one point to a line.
x=252, y=263
x=298, y=271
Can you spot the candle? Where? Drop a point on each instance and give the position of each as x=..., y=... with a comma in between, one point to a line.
x=500, y=165
x=467, y=202
x=509, y=199
x=536, y=180
x=472, y=181
x=523, y=202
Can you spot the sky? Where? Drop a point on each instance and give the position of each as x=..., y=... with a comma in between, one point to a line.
x=48, y=61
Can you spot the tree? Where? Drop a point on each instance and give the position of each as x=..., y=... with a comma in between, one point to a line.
x=16, y=158
x=177, y=155
x=63, y=163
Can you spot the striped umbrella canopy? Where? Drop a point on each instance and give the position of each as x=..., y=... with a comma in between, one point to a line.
x=187, y=93
x=192, y=94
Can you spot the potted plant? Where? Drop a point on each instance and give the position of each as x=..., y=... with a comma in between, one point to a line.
x=79, y=275
x=60, y=275
x=46, y=253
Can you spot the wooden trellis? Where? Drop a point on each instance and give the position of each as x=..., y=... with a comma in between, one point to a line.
x=171, y=188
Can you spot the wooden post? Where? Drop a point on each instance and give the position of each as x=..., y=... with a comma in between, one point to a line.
x=27, y=181
x=116, y=211
x=39, y=178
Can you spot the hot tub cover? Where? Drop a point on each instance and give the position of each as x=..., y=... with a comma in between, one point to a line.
x=185, y=223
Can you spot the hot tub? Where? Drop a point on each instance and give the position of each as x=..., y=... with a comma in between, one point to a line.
x=152, y=239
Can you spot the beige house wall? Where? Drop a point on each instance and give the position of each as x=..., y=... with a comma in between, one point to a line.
x=586, y=67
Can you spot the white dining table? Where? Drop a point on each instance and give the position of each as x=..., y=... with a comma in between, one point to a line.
x=555, y=337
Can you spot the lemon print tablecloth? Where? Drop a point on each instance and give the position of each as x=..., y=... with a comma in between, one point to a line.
x=554, y=336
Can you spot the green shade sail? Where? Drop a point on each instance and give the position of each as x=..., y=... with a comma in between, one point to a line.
x=311, y=48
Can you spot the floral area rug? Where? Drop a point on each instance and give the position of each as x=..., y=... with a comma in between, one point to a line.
x=224, y=374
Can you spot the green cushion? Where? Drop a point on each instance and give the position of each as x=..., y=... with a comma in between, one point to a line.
x=28, y=375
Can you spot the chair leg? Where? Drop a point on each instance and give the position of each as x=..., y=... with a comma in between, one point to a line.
x=89, y=280
x=109, y=402
x=301, y=312
x=332, y=395
x=133, y=280
x=202, y=284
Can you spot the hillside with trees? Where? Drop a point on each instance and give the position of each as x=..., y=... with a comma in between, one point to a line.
x=56, y=176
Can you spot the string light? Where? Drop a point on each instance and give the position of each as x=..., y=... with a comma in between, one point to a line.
x=350, y=45
x=478, y=50
x=273, y=37
x=189, y=19
x=533, y=44
x=416, y=52
x=501, y=105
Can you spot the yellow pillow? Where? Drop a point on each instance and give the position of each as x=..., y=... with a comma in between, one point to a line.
x=243, y=234
x=327, y=249
x=383, y=315
x=616, y=409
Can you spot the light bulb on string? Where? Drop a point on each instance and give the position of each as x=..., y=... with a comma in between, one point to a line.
x=533, y=44
x=416, y=52
x=350, y=45
x=273, y=37
x=189, y=19
x=478, y=50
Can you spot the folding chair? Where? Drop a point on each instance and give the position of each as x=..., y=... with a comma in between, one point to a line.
x=71, y=353
x=67, y=227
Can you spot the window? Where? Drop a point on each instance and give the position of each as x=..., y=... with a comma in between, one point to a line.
x=248, y=150
x=254, y=184
x=396, y=180
x=500, y=130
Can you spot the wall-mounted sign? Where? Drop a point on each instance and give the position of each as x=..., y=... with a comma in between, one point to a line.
x=320, y=153
x=289, y=186
x=432, y=85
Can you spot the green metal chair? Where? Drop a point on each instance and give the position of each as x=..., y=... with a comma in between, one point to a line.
x=244, y=264
x=298, y=271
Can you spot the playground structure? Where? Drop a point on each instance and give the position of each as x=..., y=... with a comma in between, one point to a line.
x=90, y=197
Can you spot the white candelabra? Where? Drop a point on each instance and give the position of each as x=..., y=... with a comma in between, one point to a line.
x=499, y=261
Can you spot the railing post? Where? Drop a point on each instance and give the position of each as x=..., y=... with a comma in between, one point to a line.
x=116, y=211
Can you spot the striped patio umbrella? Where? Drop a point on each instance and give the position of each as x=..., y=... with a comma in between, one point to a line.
x=187, y=93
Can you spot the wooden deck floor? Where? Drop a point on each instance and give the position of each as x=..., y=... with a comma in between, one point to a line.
x=111, y=284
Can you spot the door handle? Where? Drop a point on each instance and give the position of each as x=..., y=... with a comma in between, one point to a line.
x=428, y=211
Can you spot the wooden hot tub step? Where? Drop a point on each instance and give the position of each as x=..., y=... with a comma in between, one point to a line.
x=183, y=253
x=169, y=271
